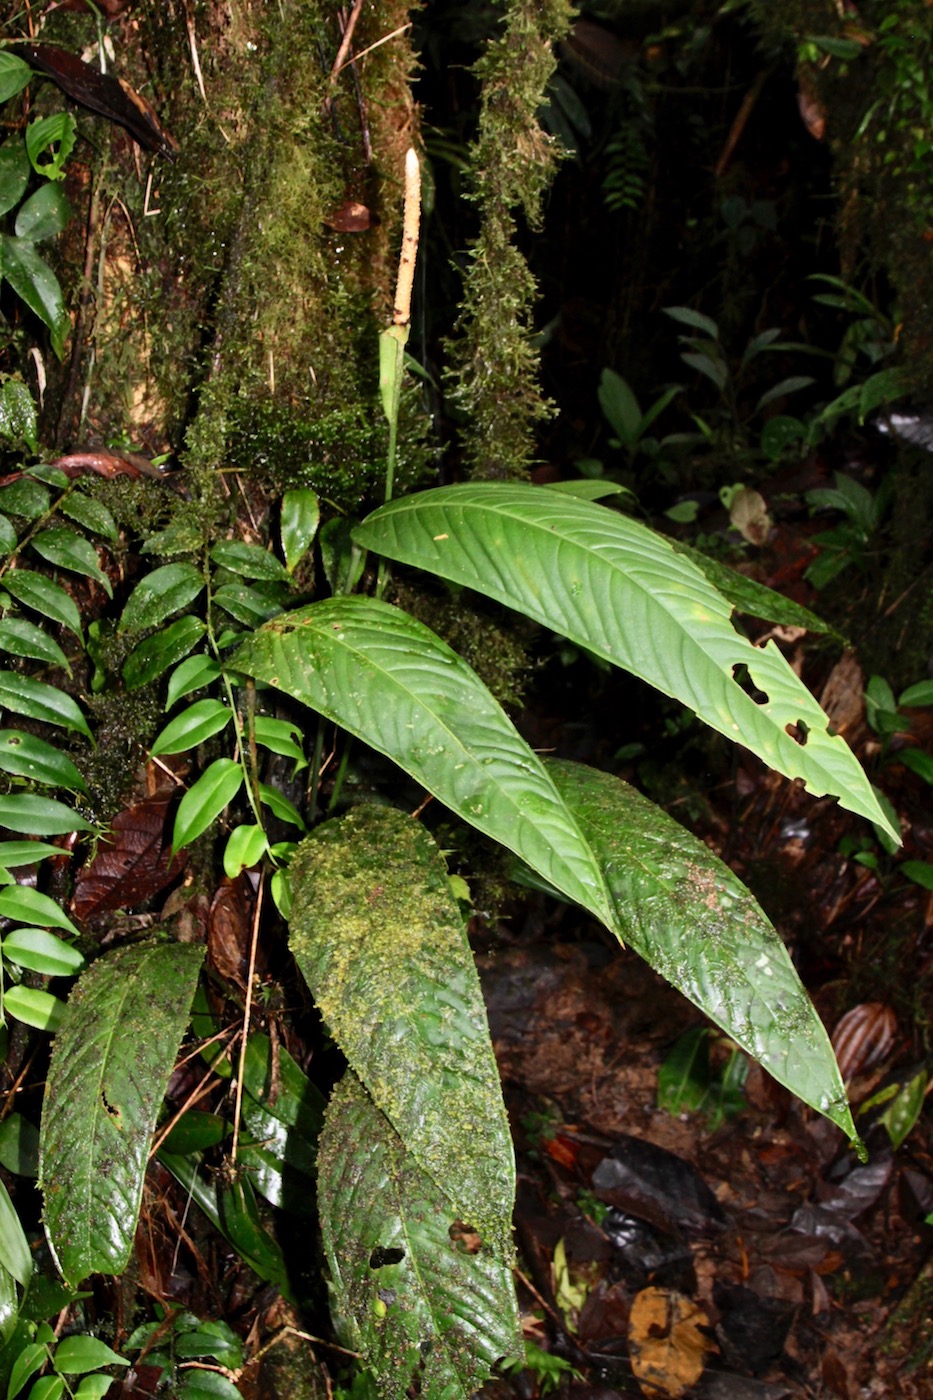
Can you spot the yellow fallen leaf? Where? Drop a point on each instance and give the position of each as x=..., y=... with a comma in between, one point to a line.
x=668, y=1343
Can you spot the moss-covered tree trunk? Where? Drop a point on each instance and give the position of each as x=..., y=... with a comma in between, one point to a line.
x=231, y=299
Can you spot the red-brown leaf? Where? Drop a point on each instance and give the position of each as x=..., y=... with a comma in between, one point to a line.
x=228, y=929
x=132, y=865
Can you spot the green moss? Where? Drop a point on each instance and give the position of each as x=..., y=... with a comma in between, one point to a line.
x=494, y=365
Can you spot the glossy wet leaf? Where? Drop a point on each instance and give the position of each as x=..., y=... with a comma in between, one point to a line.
x=14, y=162
x=43, y=596
x=161, y=593
x=216, y=788
x=28, y=757
x=24, y=498
x=15, y=1254
x=153, y=656
x=281, y=737
x=14, y=75
x=41, y=951
x=193, y=726
x=68, y=550
x=301, y=515
x=612, y=585
x=693, y=920
x=39, y=816
x=111, y=1062
x=249, y=560
x=29, y=1361
x=21, y=638
x=75, y=1355
x=13, y=853
x=36, y=284
x=405, y=1291
x=49, y=142
x=91, y=514
x=246, y=846
x=25, y=696
x=19, y=1145
x=34, y=1008
x=379, y=940
x=280, y=806
x=18, y=418
x=29, y=905
x=389, y=680
x=44, y=214
x=251, y=604
x=193, y=674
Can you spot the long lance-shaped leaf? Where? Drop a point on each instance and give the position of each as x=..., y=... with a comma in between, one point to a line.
x=693, y=920
x=379, y=940
x=405, y=1288
x=110, y=1066
x=390, y=681
x=614, y=586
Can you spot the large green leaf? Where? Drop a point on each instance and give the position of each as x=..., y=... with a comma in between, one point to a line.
x=613, y=586
x=110, y=1066
x=379, y=940
x=389, y=680
x=405, y=1290
x=24, y=696
x=693, y=920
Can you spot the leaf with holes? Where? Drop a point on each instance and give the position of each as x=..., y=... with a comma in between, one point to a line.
x=379, y=940
x=409, y=1289
x=110, y=1066
x=40, y=701
x=132, y=863
x=615, y=587
x=389, y=680
x=43, y=596
x=694, y=921
x=28, y=757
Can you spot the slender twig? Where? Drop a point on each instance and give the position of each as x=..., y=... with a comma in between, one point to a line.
x=254, y=941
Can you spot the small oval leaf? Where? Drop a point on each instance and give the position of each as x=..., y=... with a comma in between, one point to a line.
x=40, y=701
x=153, y=656
x=301, y=515
x=216, y=788
x=39, y=816
x=28, y=757
x=43, y=596
x=165, y=591
x=40, y=951
x=200, y=721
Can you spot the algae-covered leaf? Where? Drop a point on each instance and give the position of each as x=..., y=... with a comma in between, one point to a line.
x=693, y=920
x=111, y=1061
x=406, y=1290
x=614, y=586
x=393, y=683
x=379, y=939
